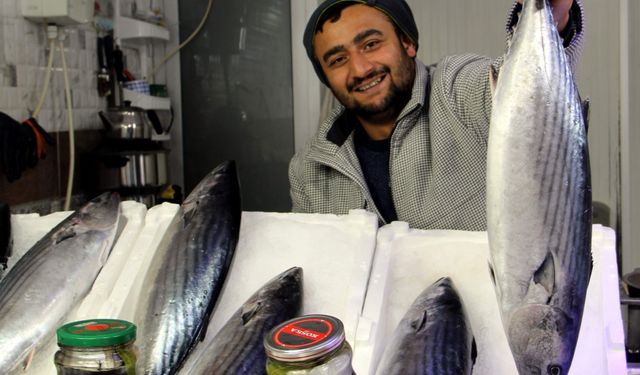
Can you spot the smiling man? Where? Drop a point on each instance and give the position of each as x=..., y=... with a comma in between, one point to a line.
x=408, y=141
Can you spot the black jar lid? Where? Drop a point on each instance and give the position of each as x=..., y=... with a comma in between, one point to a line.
x=304, y=338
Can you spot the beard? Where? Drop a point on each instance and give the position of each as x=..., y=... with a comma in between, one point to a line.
x=394, y=101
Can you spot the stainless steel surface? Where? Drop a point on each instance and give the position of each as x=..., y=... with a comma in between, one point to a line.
x=161, y=166
x=139, y=171
x=126, y=122
x=630, y=301
x=632, y=282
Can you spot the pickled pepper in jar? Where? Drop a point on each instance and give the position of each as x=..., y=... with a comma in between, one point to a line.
x=97, y=347
x=308, y=345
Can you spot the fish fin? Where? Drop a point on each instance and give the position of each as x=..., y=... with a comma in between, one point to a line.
x=546, y=274
x=188, y=215
x=492, y=274
x=64, y=235
x=201, y=333
x=250, y=313
x=28, y=360
x=419, y=323
x=474, y=351
x=586, y=104
x=493, y=79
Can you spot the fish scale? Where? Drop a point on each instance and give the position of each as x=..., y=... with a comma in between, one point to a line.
x=186, y=277
x=539, y=197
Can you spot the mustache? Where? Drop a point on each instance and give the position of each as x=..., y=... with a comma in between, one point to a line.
x=358, y=80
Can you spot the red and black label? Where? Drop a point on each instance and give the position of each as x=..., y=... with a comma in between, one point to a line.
x=304, y=332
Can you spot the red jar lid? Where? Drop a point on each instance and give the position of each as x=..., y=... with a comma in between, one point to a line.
x=304, y=338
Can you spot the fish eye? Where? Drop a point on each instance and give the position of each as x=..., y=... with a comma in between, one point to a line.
x=554, y=370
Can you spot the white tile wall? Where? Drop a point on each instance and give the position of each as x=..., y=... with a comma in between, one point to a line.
x=23, y=60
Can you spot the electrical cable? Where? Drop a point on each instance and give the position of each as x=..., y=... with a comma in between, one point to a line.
x=72, y=145
x=179, y=47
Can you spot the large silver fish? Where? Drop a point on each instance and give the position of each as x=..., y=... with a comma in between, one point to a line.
x=237, y=349
x=53, y=276
x=539, y=197
x=433, y=338
x=185, y=278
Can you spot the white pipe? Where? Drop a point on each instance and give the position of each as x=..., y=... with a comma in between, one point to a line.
x=72, y=143
x=47, y=79
x=625, y=146
x=179, y=47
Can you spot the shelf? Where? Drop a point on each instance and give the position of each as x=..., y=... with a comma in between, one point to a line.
x=131, y=28
x=146, y=101
x=164, y=137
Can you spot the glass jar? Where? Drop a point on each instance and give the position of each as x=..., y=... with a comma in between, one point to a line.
x=96, y=346
x=308, y=345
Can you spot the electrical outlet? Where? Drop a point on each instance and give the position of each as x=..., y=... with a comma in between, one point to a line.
x=60, y=12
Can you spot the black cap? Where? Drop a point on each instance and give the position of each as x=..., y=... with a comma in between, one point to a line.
x=397, y=10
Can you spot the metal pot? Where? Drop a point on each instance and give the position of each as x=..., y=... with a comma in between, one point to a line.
x=139, y=171
x=144, y=169
x=128, y=122
x=632, y=280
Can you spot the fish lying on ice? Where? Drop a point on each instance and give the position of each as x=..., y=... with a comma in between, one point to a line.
x=185, y=278
x=539, y=197
x=53, y=276
x=433, y=338
x=238, y=347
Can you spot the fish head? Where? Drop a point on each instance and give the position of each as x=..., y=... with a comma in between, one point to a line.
x=101, y=213
x=541, y=339
x=439, y=298
x=215, y=182
x=443, y=293
x=283, y=292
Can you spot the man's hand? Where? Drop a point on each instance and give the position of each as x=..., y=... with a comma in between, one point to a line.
x=561, y=12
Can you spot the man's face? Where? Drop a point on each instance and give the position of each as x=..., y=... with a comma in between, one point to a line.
x=369, y=69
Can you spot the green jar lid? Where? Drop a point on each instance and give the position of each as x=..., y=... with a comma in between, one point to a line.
x=96, y=333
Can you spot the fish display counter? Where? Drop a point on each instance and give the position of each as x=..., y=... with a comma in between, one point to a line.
x=408, y=260
x=362, y=274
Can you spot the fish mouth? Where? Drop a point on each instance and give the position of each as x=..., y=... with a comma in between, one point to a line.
x=541, y=337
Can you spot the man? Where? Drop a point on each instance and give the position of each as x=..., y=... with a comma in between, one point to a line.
x=409, y=141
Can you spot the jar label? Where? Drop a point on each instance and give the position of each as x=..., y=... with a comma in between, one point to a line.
x=303, y=333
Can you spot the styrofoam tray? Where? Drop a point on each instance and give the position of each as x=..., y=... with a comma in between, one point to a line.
x=340, y=269
x=335, y=253
x=407, y=261
x=141, y=233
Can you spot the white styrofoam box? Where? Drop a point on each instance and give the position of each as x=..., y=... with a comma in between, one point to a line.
x=335, y=253
x=408, y=261
x=372, y=323
x=159, y=226
x=94, y=303
x=604, y=324
x=27, y=229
